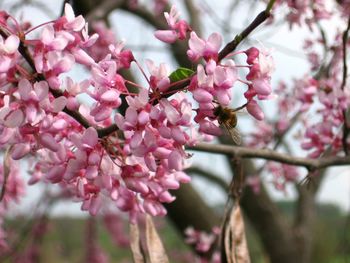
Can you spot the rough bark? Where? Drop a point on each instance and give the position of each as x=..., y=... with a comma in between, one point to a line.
x=271, y=225
x=189, y=209
x=305, y=216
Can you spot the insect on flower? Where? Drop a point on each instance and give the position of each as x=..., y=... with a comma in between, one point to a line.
x=228, y=118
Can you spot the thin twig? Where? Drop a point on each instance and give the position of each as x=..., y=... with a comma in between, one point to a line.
x=238, y=39
x=279, y=136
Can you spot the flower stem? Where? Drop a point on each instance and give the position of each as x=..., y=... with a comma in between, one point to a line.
x=269, y=6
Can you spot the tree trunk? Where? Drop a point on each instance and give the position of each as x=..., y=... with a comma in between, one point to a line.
x=189, y=209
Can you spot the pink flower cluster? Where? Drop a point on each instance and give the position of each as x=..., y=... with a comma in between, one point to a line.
x=306, y=11
x=262, y=135
x=261, y=67
x=214, y=80
x=14, y=189
x=203, y=242
x=324, y=96
x=142, y=155
x=178, y=29
x=334, y=99
x=282, y=174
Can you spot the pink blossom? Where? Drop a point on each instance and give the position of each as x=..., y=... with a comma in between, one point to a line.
x=72, y=22
x=283, y=174
x=306, y=89
x=10, y=45
x=12, y=118
x=207, y=49
x=254, y=109
x=53, y=40
x=201, y=240
x=97, y=46
x=122, y=57
x=20, y=150
x=178, y=29
x=159, y=76
x=167, y=36
x=8, y=55
x=261, y=68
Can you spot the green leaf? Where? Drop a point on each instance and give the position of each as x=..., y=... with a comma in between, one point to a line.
x=180, y=74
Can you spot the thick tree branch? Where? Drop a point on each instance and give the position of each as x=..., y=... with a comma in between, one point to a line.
x=304, y=216
x=209, y=176
x=191, y=209
x=271, y=225
x=101, y=11
x=83, y=7
x=194, y=16
x=267, y=219
x=343, y=84
x=144, y=14
x=245, y=152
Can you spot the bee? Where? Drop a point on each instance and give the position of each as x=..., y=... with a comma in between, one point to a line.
x=228, y=118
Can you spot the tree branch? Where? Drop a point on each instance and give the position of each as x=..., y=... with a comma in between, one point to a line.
x=279, y=136
x=194, y=16
x=238, y=39
x=304, y=217
x=101, y=11
x=271, y=225
x=345, y=73
x=209, y=176
x=245, y=152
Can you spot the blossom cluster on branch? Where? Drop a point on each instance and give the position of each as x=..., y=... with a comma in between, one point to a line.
x=139, y=155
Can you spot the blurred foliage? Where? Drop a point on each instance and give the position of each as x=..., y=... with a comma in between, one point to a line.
x=65, y=239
